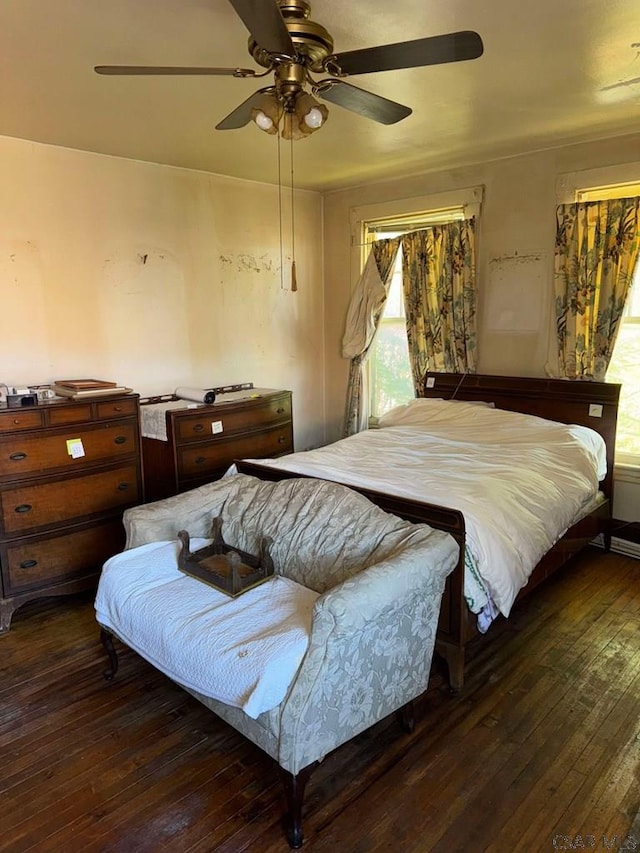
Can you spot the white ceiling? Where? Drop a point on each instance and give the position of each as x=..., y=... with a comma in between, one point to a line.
x=553, y=72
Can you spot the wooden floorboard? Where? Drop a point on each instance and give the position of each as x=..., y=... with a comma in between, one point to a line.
x=542, y=744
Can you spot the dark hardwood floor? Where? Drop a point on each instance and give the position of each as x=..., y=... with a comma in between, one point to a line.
x=540, y=751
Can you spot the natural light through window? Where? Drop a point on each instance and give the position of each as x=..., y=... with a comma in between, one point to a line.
x=390, y=382
x=624, y=366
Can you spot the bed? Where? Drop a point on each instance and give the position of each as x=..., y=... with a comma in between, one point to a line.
x=418, y=466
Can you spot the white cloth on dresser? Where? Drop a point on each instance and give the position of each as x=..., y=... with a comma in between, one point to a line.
x=183, y=626
x=153, y=418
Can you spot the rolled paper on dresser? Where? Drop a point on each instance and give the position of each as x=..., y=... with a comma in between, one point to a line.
x=198, y=395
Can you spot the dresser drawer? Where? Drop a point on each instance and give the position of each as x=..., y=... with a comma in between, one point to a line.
x=202, y=461
x=70, y=414
x=37, y=561
x=233, y=420
x=39, y=453
x=33, y=506
x=117, y=408
x=15, y=419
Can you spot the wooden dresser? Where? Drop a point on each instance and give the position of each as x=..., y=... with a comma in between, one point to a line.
x=201, y=443
x=67, y=471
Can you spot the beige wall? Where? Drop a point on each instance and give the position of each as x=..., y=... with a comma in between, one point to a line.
x=515, y=258
x=156, y=277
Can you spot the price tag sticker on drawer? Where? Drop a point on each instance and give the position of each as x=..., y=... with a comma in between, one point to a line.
x=75, y=448
x=216, y=427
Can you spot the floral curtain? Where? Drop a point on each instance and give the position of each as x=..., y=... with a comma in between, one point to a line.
x=439, y=284
x=597, y=248
x=363, y=318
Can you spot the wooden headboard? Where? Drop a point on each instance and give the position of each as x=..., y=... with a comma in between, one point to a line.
x=563, y=400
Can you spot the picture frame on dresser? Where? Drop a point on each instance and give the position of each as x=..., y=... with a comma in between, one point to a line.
x=68, y=470
x=187, y=445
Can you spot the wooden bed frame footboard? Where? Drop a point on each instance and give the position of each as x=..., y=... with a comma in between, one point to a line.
x=592, y=404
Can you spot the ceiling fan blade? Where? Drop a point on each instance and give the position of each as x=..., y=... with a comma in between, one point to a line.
x=168, y=70
x=452, y=47
x=242, y=114
x=264, y=21
x=360, y=101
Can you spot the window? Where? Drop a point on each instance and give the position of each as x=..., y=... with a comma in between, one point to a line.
x=624, y=366
x=390, y=380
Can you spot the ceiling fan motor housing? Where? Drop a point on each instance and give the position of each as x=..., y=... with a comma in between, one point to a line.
x=312, y=42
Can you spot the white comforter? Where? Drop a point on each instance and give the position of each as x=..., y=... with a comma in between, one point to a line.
x=520, y=481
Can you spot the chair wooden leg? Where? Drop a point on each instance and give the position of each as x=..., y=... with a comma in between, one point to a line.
x=407, y=718
x=294, y=792
x=454, y=658
x=106, y=637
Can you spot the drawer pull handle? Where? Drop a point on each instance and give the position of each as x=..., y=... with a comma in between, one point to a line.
x=280, y=411
x=198, y=428
x=122, y=487
x=24, y=508
x=28, y=564
x=18, y=457
x=120, y=439
x=281, y=439
x=200, y=460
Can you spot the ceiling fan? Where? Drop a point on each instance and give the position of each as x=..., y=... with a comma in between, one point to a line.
x=292, y=47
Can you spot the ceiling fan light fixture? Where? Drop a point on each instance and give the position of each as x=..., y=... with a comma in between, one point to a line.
x=264, y=122
x=267, y=113
x=291, y=127
x=310, y=115
x=314, y=118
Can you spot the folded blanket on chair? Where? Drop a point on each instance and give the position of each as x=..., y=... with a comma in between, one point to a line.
x=242, y=651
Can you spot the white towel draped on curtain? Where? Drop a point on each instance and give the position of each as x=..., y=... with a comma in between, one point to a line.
x=363, y=318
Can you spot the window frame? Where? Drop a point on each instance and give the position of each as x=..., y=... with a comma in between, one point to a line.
x=395, y=227
x=418, y=211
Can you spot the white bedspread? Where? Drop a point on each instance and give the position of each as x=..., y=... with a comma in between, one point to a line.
x=520, y=481
x=242, y=651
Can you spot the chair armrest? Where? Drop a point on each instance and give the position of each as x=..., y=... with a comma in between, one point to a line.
x=370, y=650
x=161, y=520
x=365, y=597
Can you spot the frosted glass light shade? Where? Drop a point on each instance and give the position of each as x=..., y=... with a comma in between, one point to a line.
x=314, y=118
x=291, y=128
x=267, y=113
x=310, y=115
x=263, y=121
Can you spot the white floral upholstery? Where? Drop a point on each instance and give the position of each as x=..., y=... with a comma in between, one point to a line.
x=374, y=625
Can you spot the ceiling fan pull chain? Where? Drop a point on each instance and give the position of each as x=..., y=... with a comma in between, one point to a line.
x=294, y=281
x=280, y=213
